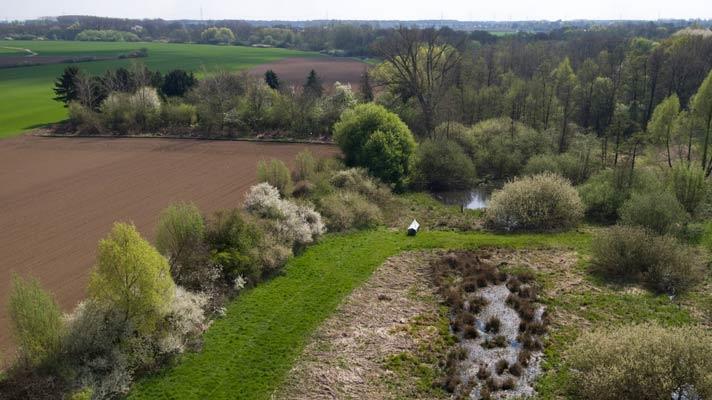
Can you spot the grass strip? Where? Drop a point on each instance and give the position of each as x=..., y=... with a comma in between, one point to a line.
x=247, y=354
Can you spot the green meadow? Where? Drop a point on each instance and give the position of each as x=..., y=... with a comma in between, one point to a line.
x=247, y=354
x=27, y=91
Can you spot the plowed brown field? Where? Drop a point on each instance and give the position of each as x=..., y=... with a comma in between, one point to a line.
x=59, y=196
x=294, y=71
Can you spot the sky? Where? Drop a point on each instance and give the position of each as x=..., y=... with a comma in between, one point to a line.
x=497, y=10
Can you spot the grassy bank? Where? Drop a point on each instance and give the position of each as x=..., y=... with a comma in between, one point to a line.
x=27, y=91
x=248, y=352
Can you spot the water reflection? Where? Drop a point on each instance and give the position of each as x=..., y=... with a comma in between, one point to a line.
x=474, y=199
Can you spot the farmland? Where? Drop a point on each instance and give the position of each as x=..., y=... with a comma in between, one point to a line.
x=228, y=267
x=27, y=91
x=60, y=196
x=331, y=70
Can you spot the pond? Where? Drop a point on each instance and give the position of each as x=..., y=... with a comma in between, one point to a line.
x=473, y=199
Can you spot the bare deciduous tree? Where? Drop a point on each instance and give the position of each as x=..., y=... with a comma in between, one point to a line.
x=419, y=64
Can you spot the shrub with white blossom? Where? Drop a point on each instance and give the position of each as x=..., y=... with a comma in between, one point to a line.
x=186, y=321
x=291, y=222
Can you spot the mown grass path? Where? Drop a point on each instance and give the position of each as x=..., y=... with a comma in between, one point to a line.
x=247, y=353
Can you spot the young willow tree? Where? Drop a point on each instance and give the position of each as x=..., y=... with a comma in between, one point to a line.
x=36, y=321
x=419, y=64
x=662, y=123
x=564, y=85
x=181, y=229
x=702, y=110
x=131, y=278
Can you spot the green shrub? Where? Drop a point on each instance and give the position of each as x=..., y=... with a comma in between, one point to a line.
x=688, y=184
x=303, y=189
x=179, y=237
x=504, y=147
x=304, y=165
x=603, y=196
x=541, y=202
x=443, y=165
x=458, y=133
x=346, y=210
x=660, y=212
x=83, y=120
x=36, y=321
x=233, y=241
x=641, y=362
x=372, y=137
x=132, y=278
x=106, y=35
x=632, y=253
x=178, y=115
x=116, y=112
x=82, y=394
x=606, y=191
x=357, y=180
x=566, y=165
x=276, y=174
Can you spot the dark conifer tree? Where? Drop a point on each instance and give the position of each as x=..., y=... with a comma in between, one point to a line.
x=65, y=87
x=313, y=85
x=272, y=79
x=177, y=83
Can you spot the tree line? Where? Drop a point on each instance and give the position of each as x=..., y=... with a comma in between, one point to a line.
x=348, y=38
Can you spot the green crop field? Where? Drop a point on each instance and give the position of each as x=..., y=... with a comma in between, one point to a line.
x=27, y=91
x=10, y=51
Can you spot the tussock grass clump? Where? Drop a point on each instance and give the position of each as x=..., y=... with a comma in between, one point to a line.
x=497, y=341
x=523, y=357
x=477, y=303
x=515, y=369
x=493, y=325
x=470, y=332
x=529, y=342
x=544, y=202
x=483, y=373
x=508, y=383
x=501, y=366
x=645, y=361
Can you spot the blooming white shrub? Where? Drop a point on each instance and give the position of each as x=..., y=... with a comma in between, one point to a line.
x=291, y=223
x=263, y=200
x=343, y=95
x=240, y=283
x=146, y=98
x=543, y=202
x=186, y=321
x=313, y=220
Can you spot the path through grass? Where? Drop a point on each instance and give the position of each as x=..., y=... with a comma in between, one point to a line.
x=248, y=352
